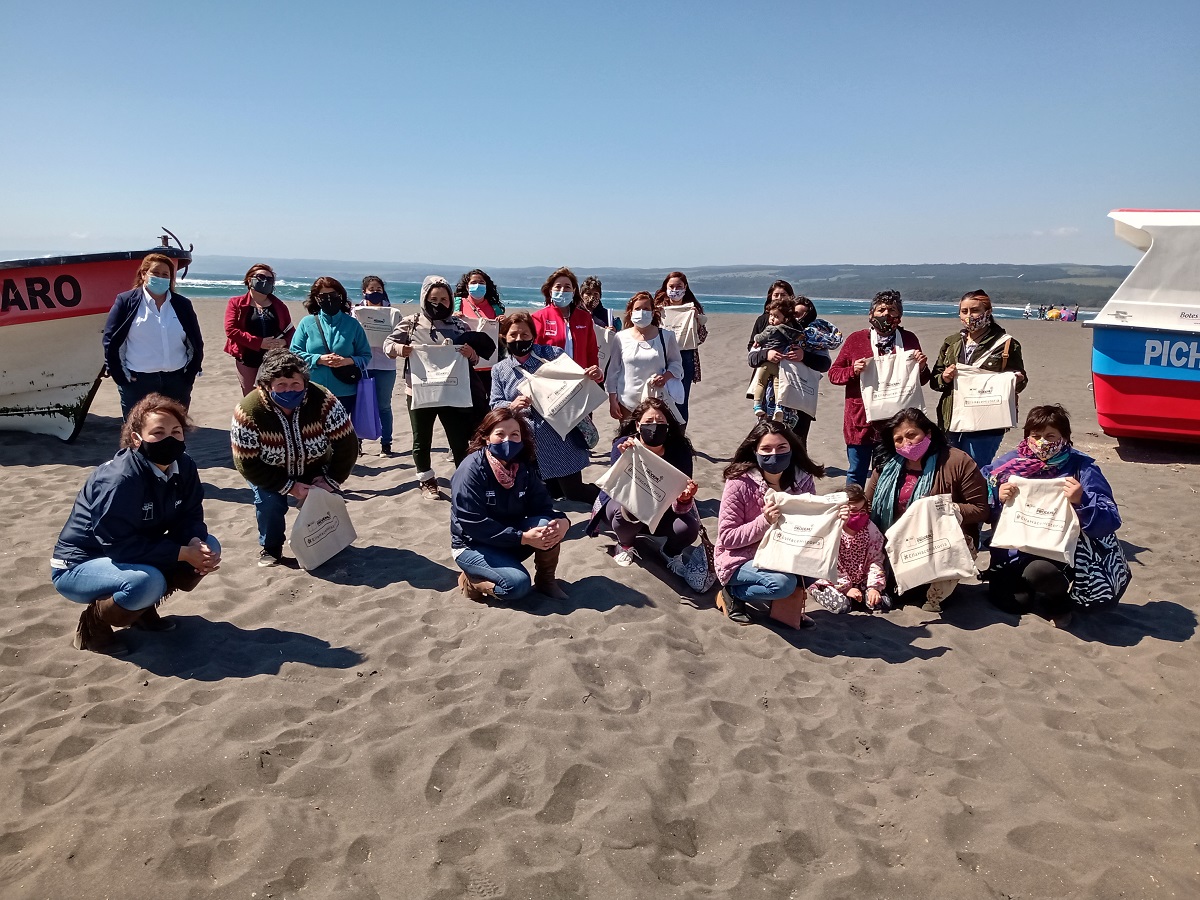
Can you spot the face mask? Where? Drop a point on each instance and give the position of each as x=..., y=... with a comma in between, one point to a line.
x=477, y=291
x=162, y=452
x=857, y=521
x=288, y=399
x=156, y=284
x=1044, y=450
x=676, y=293
x=884, y=325
x=505, y=451
x=330, y=307
x=436, y=311
x=915, y=451
x=641, y=317
x=520, y=348
x=561, y=298
x=975, y=323
x=264, y=284
x=774, y=463
x=654, y=434
x=376, y=298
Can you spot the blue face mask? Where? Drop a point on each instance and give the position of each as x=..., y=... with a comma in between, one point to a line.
x=376, y=298
x=288, y=399
x=561, y=298
x=477, y=291
x=156, y=284
x=506, y=451
x=774, y=463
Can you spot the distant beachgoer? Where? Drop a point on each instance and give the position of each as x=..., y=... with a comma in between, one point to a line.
x=331, y=342
x=593, y=301
x=152, y=341
x=289, y=434
x=1020, y=582
x=501, y=514
x=560, y=461
x=675, y=291
x=771, y=458
x=435, y=323
x=563, y=321
x=653, y=426
x=1028, y=311
x=884, y=336
x=136, y=532
x=862, y=565
x=255, y=322
x=377, y=310
x=979, y=339
x=642, y=352
x=479, y=298
x=921, y=464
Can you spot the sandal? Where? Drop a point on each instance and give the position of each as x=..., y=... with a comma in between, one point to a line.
x=733, y=609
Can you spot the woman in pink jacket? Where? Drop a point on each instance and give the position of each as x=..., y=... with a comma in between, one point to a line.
x=770, y=458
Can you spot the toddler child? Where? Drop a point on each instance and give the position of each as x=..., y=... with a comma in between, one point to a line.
x=861, y=579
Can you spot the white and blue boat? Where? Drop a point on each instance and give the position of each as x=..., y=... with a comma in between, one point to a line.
x=1146, y=339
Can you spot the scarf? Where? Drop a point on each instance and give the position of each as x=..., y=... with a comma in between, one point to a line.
x=506, y=474
x=1026, y=464
x=887, y=488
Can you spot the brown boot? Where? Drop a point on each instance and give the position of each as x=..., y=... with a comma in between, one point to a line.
x=545, y=564
x=150, y=620
x=182, y=578
x=479, y=591
x=93, y=633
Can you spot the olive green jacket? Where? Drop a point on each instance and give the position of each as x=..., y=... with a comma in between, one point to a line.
x=1001, y=361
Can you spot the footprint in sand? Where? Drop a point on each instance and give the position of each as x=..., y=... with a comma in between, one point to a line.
x=443, y=776
x=577, y=782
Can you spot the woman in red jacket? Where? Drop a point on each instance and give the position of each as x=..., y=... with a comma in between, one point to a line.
x=884, y=336
x=255, y=322
x=565, y=322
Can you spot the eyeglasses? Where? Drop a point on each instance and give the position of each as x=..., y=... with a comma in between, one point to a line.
x=325, y=298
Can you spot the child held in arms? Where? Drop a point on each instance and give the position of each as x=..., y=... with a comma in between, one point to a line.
x=783, y=333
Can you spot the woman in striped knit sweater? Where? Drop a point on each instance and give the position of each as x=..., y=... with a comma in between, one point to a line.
x=288, y=434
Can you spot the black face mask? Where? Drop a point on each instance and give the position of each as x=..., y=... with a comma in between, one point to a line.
x=376, y=298
x=436, y=312
x=654, y=434
x=264, y=284
x=330, y=307
x=164, y=451
x=520, y=348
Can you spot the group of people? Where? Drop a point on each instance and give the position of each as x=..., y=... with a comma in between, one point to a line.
x=1051, y=313
x=137, y=531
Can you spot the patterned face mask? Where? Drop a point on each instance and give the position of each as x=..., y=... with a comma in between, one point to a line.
x=1045, y=449
x=978, y=322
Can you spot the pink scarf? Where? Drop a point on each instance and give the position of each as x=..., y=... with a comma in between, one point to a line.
x=505, y=474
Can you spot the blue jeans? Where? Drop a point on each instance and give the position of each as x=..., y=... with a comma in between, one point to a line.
x=176, y=385
x=385, y=384
x=689, y=375
x=502, y=565
x=131, y=585
x=858, y=457
x=270, y=508
x=981, y=446
x=751, y=584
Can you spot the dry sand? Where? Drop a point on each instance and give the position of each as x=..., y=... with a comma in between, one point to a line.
x=366, y=732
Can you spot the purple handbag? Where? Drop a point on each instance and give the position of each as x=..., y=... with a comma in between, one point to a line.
x=366, y=412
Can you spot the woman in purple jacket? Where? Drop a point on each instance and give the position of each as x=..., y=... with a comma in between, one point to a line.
x=1019, y=582
x=772, y=458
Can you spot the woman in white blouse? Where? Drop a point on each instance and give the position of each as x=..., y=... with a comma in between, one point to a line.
x=642, y=353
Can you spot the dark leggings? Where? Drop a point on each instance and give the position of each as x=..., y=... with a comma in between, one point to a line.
x=458, y=422
x=1029, y=585
x=571, y=487
x=680, y=531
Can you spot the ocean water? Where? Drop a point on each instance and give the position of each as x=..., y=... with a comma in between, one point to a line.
x=222, y=287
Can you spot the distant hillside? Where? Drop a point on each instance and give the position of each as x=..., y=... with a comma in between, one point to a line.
x=1086, y=286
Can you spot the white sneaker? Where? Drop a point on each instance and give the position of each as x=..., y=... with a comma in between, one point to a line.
x=678, y=565
x=624, y=556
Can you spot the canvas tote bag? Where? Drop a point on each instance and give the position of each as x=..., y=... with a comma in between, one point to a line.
x=682, y=321
x=890, y=383
x=796, y=387
x=562, y=394
x=807, y=537
x=927, y=544
x=490, y=327
x=983, y=400
x=644, y=484
x=1039, y=520
x=440, y=376
x=322, y=529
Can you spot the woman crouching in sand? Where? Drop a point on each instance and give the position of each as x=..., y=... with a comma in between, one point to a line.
x=136, y=532
x=501, y=514
x=771, y=458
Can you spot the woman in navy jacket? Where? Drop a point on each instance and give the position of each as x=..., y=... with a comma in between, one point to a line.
x=501, y=513
x=136, y=531
x=135, y=355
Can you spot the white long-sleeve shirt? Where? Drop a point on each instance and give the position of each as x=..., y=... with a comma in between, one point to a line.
x=633, y=362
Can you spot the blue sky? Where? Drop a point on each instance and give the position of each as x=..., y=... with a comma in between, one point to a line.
x=599, y=134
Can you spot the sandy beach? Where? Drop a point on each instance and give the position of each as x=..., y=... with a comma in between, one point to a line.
x=366, y=732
